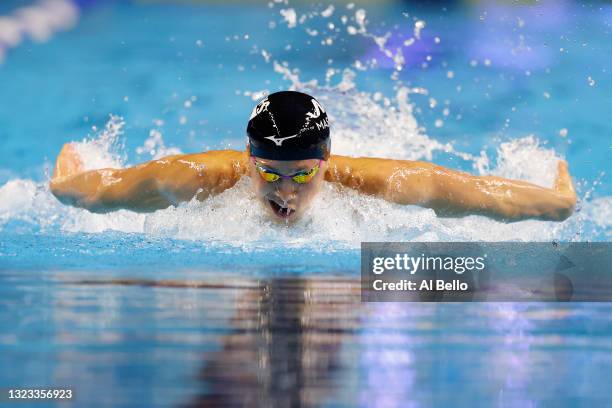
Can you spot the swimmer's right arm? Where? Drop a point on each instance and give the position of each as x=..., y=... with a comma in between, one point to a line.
x=147, y=187
x=454, y=193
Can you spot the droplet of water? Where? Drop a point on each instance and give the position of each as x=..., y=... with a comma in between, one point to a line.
x=266, y=55
x=360, y=16
x=328, y=11
x=591, y=81
x=418, y=27
x=290, y=17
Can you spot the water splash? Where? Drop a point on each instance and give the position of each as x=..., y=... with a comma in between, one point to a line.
x=155, y=146
x=105, y=147
x=290, y=17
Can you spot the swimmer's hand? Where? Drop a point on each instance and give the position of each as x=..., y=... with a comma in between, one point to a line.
x=563, y=183
x=146, y=187
x=454, y=193
x=68, y=163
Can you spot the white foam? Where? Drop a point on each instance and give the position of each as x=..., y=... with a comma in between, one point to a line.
x=16, y=196
x=339, y=216
x=599, y=212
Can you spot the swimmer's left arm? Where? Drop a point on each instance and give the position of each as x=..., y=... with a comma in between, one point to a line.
x=146, y=187
x=454, y=193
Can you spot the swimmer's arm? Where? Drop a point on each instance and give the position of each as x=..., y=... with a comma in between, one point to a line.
x=146, y=187
x=455, y=193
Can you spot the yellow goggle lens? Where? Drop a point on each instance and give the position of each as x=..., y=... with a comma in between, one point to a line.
x=269, y=177
x=306, y=177
x=301, y=178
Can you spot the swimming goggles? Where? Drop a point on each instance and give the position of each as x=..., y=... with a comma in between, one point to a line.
x=301, y=177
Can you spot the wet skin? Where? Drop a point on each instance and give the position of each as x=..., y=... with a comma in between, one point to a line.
x=174, y=179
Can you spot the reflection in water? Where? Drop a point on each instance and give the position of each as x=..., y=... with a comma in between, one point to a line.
x=511, y=358
x=284, y=351
x=389, y=356
x=309, y=341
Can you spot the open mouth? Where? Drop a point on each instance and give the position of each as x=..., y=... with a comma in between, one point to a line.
x=281, y=211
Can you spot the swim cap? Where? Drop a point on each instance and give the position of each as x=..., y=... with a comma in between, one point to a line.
x=289, y=125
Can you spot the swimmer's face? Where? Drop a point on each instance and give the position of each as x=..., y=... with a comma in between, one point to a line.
x=285, y=199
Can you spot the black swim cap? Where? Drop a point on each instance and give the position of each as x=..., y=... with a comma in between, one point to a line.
x=289, y=125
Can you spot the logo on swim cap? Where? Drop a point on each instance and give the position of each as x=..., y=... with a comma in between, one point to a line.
x=279, y=140
x=295, y=127
x=318, y=109
x=317, y=112
x=261, y=106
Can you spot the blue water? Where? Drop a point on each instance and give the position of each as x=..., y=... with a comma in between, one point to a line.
x=177, y=308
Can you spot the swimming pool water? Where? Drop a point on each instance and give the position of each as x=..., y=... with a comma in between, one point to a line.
x=176, y=308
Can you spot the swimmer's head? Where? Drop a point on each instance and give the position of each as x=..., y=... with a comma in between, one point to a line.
x=289, y=125
x=289, y=144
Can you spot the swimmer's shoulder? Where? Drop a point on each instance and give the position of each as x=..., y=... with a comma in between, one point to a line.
x=225, y=163
x=371, y=174
x=371, y=162
x=219, y=155
x=210, y=158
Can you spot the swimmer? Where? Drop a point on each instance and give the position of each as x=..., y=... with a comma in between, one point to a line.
x=287, y=159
